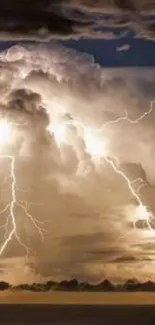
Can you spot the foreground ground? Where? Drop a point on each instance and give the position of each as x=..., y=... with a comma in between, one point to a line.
x=77, y=298
x=31, y=314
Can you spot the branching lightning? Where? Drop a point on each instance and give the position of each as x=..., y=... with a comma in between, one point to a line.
x=95, y=147
x=142, y=213
x=10, y=209
x=129, y=120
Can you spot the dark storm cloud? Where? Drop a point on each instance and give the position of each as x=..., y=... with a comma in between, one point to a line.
x=37, y=19
x=42, y=20
x=125, y=259
x=25, y=102
x=81, y=253
x=129, y=259
x=80, y=240
x=134, y=171
x=86, y=248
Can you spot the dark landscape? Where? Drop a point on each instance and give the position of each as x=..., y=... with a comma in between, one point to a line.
x=77, y=315
x=131, y=285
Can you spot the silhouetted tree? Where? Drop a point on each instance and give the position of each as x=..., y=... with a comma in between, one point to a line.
x=4, y=285
x=106, y=285
x=148, y=286
x=132, y=285
x=39, y=287
x=74, y=285
x=68, y=285
x=51, y=285
x=23, y=287
x=85, y=286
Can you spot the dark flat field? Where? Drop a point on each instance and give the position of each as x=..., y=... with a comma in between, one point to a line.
x=77, y=314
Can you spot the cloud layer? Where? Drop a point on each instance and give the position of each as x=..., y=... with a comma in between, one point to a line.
x=44, y=20
x=85, y=207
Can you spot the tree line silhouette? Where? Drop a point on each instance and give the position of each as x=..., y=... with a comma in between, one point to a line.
x=130, y=285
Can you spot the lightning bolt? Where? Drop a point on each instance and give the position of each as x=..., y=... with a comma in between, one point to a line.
x=142, y=212
x=10, y=210
x=11, y=213
x=129, y=120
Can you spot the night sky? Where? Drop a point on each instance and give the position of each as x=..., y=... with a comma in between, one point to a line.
x=125, y=51
x=141, y=52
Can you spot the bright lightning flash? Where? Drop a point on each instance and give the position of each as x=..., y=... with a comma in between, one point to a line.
x=59, y=132
x=142, y=213
x=6, y=132
x=10, y=209
x=96, y=147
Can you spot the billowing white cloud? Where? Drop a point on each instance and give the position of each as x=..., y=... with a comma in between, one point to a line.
x=84, y=206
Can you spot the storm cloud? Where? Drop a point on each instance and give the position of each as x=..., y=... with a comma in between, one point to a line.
x=84, y=208
x=45, y=20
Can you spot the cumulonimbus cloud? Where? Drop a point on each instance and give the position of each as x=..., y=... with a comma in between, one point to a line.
x=89, y=207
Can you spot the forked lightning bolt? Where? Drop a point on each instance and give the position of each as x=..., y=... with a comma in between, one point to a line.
x=129, y=120
x=142, y=212
x=11, y=214
x=89, y=135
